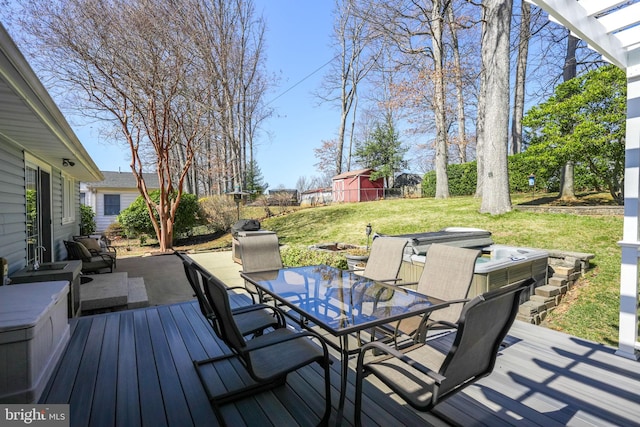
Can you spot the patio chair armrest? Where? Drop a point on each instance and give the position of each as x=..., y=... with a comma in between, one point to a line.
x=442, y=323
x=410, y=284
x=388, y=351
x=240, y=288
x=277, y=313
x=387, y=281
x=445, y=303
x=296, y=335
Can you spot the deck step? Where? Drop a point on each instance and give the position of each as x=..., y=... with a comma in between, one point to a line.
x=105, y=291
x=137, y=293
x=113, y=292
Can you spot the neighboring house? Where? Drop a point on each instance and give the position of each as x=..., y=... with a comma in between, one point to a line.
x=407, y=179
x=356, y=186
x=318, y=196
x=41, y=165
x=409, y=184
x=112, y=195
x=283, y=197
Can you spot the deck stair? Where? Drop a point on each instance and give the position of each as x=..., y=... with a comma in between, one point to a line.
x=113, y=292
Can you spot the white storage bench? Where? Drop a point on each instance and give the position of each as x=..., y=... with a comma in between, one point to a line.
x=34, y=331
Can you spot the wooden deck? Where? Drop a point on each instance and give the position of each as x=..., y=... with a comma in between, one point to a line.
x=135, y=368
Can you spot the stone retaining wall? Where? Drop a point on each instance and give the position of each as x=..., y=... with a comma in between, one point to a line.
x=565, y=268
x=577, y=210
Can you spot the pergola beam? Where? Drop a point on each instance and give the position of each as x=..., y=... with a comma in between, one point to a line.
x=573, y=16
x=595, y=23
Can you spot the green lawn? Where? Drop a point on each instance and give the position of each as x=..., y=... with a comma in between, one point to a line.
x=590, y=311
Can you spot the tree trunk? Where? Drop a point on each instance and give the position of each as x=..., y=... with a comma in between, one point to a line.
x=495, y=57
x=521, y=74
x=442, y=179
x=457, y=75
x=567, y=189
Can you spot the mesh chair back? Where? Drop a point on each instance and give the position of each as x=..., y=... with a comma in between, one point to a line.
x=196, y=281
x=223, y=323
x=385, y=258
x=447, y=275
x=483, y=324
x=259, y=252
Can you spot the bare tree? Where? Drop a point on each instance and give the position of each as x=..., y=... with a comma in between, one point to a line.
x=461, y=140
x=352, y=38
x=142, y=66
x=524, y=35
x=416, y=29
x=495, y=58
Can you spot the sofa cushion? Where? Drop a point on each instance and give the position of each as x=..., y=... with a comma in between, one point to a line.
x=85, y=252
x=89, y=243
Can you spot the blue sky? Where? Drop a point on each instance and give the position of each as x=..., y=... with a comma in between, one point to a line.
x=297, y=37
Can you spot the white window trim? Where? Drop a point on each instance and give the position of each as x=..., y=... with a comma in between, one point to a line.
x=68, y=199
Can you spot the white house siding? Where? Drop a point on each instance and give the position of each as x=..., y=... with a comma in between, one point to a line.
x=62, y=232
x=13, y=229
x=13, y=233
x=104, y=221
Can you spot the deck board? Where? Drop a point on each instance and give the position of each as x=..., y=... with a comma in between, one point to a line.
x=127, y=374
x=151, y=409
x=104, y=413
x=83, y=392
x=136, y=368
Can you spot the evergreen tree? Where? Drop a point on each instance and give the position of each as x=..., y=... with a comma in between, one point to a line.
x=583, y=122
x=254, y=181
x=383, y=152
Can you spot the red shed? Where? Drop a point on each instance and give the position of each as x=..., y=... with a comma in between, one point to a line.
x=355, y=186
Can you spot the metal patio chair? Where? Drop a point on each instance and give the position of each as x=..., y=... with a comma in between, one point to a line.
x=259, y=253
x=268, y=358
x=252, y=319
x=422, y=375
x=447, y=275
x=385, y=259
x=262, y=253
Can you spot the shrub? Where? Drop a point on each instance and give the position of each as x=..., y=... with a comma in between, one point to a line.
x=114, y=230
x=135, y=219
x=87, y=220
x=463, y=177
x=220, y=212
x=298, y=256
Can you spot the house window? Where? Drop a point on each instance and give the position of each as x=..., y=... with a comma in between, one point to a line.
x=68, y=205
x=111, y=204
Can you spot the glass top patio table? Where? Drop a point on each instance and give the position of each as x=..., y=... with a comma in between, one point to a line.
x=340, y=301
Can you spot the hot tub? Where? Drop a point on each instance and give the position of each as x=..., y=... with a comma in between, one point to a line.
x=498, y=266
x=464, y=237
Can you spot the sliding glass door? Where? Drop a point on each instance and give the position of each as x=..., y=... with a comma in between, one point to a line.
x=38, y=206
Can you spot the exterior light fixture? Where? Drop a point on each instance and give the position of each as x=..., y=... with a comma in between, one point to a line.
x=67, y=163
